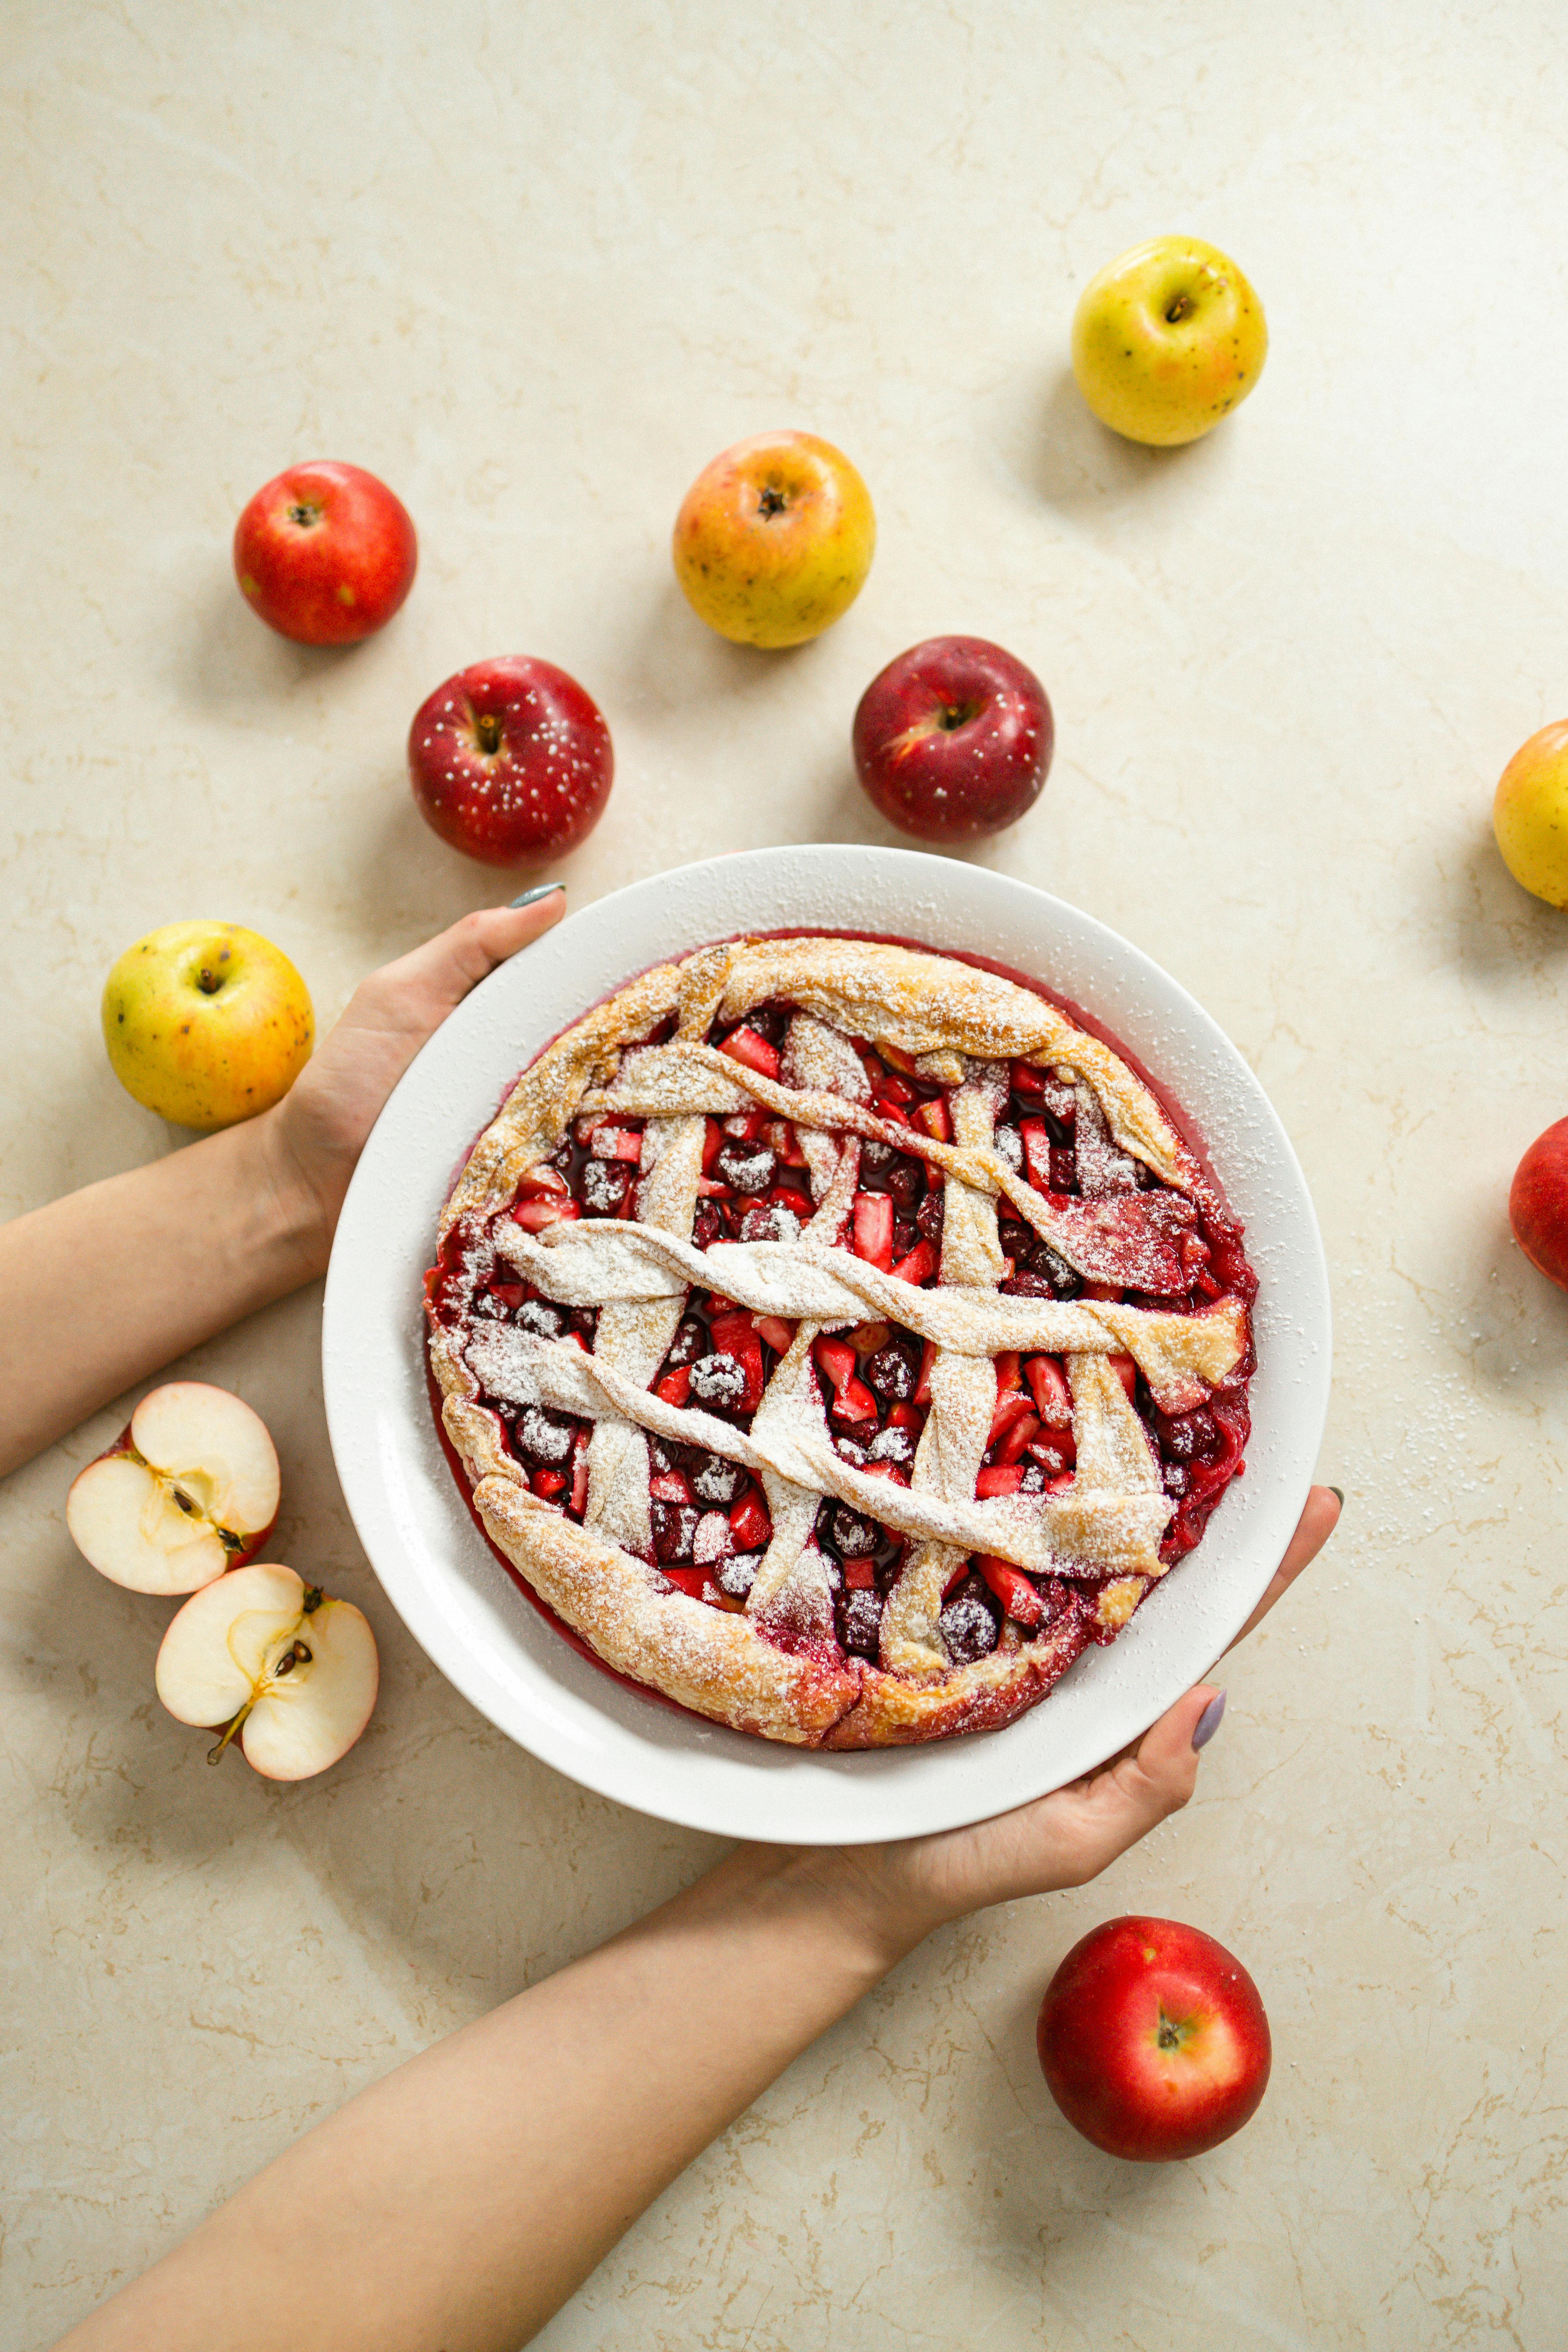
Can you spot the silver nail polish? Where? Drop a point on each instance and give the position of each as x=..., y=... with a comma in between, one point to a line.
x=527, y=897
x=1208, y=1723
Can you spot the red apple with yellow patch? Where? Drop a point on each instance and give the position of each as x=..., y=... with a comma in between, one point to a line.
x=325, y=554
x=1538, y=1204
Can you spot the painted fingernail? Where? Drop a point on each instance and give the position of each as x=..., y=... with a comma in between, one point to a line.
x=527, y=897
x=1209, y=1722
x=1339, y=1494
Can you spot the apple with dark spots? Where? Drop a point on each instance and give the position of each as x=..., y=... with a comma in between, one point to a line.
x=953, y=740
x=510, y=761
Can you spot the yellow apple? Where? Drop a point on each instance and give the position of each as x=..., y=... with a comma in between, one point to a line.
x=1167, y=341
x=1530, y=814
x=206, y=1023
x=774, y=538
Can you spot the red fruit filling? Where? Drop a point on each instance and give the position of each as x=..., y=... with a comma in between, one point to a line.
x=710, y=1519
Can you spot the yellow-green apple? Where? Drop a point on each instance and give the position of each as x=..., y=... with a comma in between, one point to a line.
x=1153, y=2039
x=953, y=740
x=510, y=761
x=774, y=538
x=272, y=1661
x=1530, y=814
x=1167, y=341
x=1538, y=1204
x=325, y=554
x=188, y=1489
x=206, y=1023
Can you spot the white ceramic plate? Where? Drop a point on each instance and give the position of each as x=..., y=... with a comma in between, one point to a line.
x=488, y=1639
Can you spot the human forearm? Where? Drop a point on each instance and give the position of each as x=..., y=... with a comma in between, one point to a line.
x=142, y=1267
x=108, y=1285
x=466, y=2195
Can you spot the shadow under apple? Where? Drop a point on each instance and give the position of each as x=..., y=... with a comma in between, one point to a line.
x=231, y=665
x=1051, y=441
x=1487, y=925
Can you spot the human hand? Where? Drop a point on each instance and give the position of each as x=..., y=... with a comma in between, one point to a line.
x=317, y=1132
x=1070, y=1836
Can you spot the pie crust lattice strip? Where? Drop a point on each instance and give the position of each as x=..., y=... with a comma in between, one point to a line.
x=839, y=1338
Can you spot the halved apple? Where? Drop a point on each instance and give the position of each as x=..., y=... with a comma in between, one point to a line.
x=188, y=1489
x=270, y=1659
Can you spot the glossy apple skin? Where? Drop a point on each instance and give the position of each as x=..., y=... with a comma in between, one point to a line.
x=325, y=554
x=1099, y=2035
x=510, y=761
x=953, y=740
x=1158, y=379
x=206, y=1023
x=1530, y=814
x=1538, y=1204
x=774, y=538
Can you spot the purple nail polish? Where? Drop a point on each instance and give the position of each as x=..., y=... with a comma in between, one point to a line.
x=1209, y=1722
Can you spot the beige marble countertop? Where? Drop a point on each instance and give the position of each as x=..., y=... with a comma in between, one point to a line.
x=536, y=265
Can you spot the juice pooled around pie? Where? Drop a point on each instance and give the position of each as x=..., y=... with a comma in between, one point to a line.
x=839, y=1338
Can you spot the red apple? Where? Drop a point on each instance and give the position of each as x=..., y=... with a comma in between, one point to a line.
x=953, y=740
x=325, y=554
x=1538, y=1204
x=510, y=761
x=1153, y=2040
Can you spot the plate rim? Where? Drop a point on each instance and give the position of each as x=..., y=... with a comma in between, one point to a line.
x=835, y=1799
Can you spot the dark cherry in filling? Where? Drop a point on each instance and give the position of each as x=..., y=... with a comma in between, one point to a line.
x=710, y=1519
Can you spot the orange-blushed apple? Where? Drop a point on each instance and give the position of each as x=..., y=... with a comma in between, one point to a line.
x=774, y=538
x=189, y=1489
x=1530, y=814
x=1153, y=2039
x=325, y=554
x=206, y=1023
x=1167, y=341
x=275, y=1663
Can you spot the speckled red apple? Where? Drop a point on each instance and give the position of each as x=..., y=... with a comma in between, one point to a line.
x=510, y=761
x=953, y=740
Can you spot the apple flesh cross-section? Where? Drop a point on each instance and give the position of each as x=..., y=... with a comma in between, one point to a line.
x=289, y=1672
x=189, y=1489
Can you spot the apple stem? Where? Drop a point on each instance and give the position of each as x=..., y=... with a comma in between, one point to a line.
x=1178, y=309
x=214, y=1753
x=771, y=502
x=486, y=726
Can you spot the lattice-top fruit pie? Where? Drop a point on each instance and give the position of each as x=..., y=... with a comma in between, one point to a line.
x=839, y=1338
